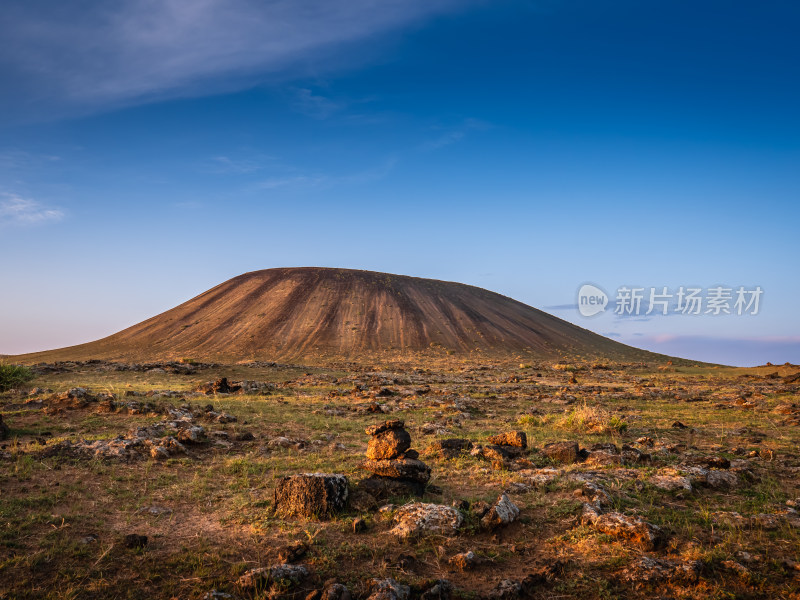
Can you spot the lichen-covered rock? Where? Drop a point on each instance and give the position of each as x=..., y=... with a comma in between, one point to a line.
x=634, y=529
x=464, y=561
x=440, y=590
x=263, y=577
x=602, y=458
x=420, y=518
x=388, y=444
x=336, y=591
x=517, y=439
x=389, y=589
x=193, y=435
x=311, y=495
x=562, y=452
x=589, y=514
x=718, y=479
x=448, y=448
x=653, y=570
x=496, y=453
x=507, y=589
x=399, y=468
x=502, y=512
x=670, y=480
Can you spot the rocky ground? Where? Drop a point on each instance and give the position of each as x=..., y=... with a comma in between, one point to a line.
x=452, y=480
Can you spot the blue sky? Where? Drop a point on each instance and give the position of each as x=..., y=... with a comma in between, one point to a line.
x=150, y=150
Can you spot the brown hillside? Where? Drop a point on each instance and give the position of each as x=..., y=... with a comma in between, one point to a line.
x=340, y=313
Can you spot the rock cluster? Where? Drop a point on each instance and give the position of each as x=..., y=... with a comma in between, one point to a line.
x=502, y=448
x=396, y=470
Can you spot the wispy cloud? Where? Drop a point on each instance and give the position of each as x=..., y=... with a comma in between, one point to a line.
x=561, y=307
x=314, y=105
x=15, y=159
x=15, y=210
x=240, y=166
x=322, y=180
x=100, y=53
x=455, y=134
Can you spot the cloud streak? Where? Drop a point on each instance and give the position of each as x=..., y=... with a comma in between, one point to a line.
x=321, y=180
x=15, y=210
x=456, y=134
x=100, y=53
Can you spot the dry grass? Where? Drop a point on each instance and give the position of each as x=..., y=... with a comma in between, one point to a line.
x=221, y=522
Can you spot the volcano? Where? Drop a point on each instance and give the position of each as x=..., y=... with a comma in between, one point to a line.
x=322, y=313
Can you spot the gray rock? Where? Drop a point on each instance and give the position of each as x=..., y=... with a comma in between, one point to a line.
x=502, y=512
x=420, y=518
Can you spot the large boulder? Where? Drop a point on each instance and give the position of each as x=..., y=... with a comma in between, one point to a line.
x=420, y=518
x=562, y=452
x=398, y=468
x=388, y=444
x=311, y=495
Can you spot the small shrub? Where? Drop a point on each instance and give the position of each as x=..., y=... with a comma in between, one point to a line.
x=13, y=375
x=617, y=424
x=590, y=419
x=530, y=421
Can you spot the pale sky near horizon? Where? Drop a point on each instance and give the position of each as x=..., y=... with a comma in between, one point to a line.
x=151, y=150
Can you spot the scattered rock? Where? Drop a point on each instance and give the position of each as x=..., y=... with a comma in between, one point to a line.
x=420, y=518
x=464, y=561
x=263, y=577
x=507, y=589
x=311, y=495
x=517, y=439
x=293, y=552
x=385, y=426
x=440, y=590
x=671, y=482
x=388, y=444
x=378, y=487
x=220, y=386
x=134, y=540
x=561, y=452
x=653, y=570
x=635, y=529
x=448, y=448
x=502, y=512
x=399, y=468
x=335, y=591
x=389, y=589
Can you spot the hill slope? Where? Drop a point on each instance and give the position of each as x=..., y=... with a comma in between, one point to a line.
x=341, y=313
